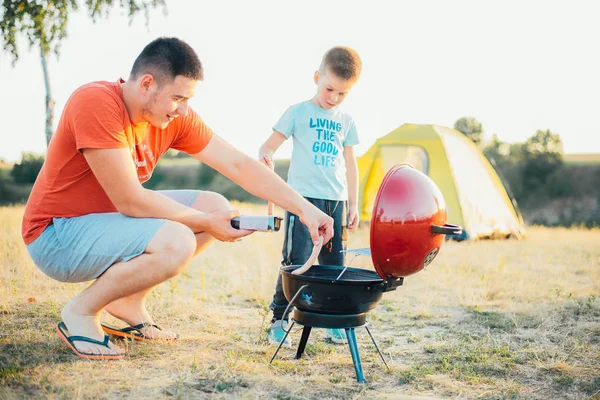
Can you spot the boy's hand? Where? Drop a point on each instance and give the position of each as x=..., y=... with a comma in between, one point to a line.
x=266, y=151
x=267, y=160
x=353, y=218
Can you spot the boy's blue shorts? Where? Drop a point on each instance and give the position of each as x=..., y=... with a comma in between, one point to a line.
x=82, y=248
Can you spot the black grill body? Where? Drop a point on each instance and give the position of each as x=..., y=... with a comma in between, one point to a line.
x=357, y=291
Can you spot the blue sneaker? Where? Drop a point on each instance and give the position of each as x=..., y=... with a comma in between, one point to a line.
x=337, y=336
x=277, y=332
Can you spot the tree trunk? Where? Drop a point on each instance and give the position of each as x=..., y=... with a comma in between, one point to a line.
x=49, y=101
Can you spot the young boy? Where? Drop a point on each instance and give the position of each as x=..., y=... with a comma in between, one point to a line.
x=323, y=169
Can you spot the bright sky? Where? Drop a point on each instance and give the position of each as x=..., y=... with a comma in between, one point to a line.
x=516, y=66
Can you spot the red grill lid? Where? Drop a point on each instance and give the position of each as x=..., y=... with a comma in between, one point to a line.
x=408, y=223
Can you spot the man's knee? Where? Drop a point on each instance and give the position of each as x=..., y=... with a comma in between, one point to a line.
x=221, y=202
x=175, y=243
x=211, y=202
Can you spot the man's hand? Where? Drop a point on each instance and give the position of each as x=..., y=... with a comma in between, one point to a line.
x=353, y=218
x=221, y=229
x=318, y=223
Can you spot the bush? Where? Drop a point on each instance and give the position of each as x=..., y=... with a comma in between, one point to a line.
x=4, y=182
x=28, y=169
x=10, y=193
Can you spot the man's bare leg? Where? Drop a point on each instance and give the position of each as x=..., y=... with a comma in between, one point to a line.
x=167, y=255
x=132, y=309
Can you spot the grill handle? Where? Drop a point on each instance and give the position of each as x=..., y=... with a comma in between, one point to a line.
x=392, y=283
x=447, y=229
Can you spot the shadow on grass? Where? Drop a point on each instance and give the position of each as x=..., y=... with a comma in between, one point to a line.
x=16, y=357
x=19, y=363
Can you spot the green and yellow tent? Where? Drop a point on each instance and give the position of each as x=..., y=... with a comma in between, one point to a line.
x=475, y=196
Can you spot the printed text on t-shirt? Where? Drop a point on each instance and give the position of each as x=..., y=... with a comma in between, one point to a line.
x=324, y=147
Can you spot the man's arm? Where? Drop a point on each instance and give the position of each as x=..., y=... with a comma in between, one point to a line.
x=260, y=181
x=352, y=182
x=115, y=171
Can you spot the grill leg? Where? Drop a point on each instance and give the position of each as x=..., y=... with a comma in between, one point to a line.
x=355, y=356
x=282, y=340
x=380, y=355
x=303, y=340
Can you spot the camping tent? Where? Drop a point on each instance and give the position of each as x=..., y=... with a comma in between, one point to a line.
x=475, y=196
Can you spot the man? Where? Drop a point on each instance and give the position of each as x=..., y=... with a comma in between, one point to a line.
x=90, y=218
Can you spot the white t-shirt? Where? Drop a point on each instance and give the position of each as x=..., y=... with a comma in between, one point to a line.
x=317, y=168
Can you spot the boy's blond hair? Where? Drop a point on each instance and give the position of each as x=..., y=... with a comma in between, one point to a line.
x=343, y=62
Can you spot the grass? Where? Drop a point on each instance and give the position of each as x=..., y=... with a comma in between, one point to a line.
x=486, y=320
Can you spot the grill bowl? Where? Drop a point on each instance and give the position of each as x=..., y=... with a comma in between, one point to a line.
x=357, y=291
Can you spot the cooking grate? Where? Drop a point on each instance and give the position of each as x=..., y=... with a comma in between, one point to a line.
x=329, y=273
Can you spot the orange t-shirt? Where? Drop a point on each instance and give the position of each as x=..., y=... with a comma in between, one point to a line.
x=95, y=117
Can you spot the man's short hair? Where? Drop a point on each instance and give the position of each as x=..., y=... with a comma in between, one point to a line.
x=343, y=61
x=167, y=57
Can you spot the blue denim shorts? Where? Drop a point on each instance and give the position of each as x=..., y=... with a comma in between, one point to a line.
x=82, y=248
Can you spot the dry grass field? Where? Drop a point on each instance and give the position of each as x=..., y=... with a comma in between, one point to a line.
x=490, y=320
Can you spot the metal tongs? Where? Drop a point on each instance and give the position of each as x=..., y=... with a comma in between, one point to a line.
x=365, y=251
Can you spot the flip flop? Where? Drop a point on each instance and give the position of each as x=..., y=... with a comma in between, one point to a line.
x=133, y=332
x=62, y=331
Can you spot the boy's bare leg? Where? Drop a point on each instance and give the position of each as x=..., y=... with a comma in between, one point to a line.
x=167, y=255
x=132, y=309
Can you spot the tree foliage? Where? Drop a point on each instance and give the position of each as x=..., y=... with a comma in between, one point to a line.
x=542, y=155
x=471, y=128
x=44, y=22
x=28, y=169
x=497, y=149
x=5, y=194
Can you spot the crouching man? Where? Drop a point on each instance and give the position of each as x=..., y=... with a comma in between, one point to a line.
x=90, y=219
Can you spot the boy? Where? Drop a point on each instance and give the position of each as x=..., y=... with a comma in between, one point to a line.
x=323, y=169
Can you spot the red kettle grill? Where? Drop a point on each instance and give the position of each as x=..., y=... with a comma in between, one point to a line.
x=408, y=223
x=407, y=230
